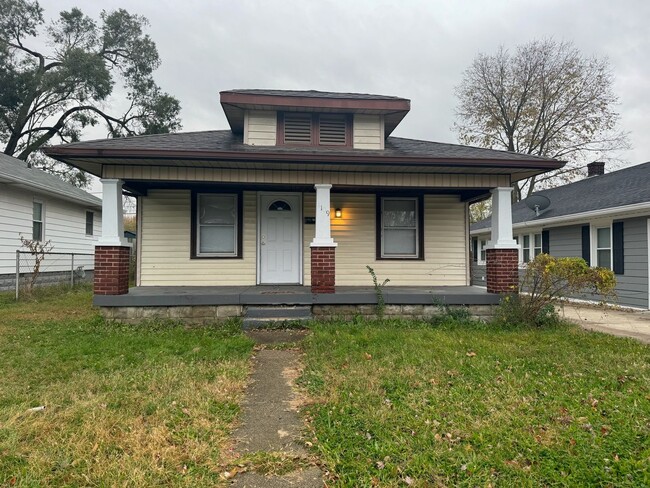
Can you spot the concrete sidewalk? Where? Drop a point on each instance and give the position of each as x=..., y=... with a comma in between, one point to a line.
x=625, y=323
x=270, y=419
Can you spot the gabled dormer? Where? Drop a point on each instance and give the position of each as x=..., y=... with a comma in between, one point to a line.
x=313, y=119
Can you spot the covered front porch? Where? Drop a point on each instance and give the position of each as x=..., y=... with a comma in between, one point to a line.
x=189, y=296
x=264, y=305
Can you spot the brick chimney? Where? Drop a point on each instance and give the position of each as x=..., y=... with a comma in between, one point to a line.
x=596, y=168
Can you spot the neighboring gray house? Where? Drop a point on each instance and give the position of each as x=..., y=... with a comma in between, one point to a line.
x=40, y=206
x=604, y=218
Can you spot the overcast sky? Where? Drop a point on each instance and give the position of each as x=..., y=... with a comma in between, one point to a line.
x=414, y=49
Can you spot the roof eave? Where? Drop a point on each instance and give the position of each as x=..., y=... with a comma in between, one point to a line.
x=26, y=184
x=61, y=152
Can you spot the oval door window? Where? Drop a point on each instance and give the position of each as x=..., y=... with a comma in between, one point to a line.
x=279, y=205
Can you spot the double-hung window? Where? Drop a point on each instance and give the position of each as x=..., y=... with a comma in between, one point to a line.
x=90, y=222
x=531, y=246
x=217, y=225
x=37, y=221
x=604, y=247
x=537, y=241
x=400, y=227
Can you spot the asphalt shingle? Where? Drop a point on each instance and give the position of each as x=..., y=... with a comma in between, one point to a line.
x=627, y=186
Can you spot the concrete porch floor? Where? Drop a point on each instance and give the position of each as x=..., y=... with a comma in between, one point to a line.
x=178, y=296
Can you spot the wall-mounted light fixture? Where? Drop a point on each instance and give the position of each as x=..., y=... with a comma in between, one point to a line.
x=338, y=213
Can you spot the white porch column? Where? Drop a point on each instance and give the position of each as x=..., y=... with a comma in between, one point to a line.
x=323, y=237
x=112, y=214
x=501, y=220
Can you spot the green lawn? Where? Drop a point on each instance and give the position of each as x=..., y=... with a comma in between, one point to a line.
x=124, y=405
x=402, y=404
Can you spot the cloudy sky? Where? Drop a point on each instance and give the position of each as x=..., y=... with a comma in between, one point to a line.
x=413, y=49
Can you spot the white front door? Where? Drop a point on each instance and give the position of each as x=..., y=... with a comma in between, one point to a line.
x=280, y=243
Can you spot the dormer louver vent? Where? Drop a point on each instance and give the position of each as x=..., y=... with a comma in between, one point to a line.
x=314, y=129
x=332, y=130
x=297, y=128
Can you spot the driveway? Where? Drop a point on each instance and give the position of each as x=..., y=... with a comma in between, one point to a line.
x=627, y=323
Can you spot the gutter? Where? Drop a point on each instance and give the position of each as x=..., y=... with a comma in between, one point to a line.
x=574, y=218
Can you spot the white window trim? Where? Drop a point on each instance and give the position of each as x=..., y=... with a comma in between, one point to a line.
x=198, y=226
x=415, y=200
x=42, y=221
x=480, y=246
x=593, y=242
x=531, y=247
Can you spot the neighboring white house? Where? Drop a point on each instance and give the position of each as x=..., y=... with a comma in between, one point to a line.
x=40, y=206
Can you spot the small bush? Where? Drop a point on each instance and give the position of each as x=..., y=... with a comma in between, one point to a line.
x=547, y=281
x=449, y=315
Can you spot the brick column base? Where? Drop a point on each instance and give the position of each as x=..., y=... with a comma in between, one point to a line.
x=111, y=270
x=323, y=269
x=502, y=270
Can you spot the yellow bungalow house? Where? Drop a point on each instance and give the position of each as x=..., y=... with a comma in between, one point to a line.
x=291, y=204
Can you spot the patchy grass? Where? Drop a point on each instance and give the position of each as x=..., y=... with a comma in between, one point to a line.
x=404, y=403
x=141, y=405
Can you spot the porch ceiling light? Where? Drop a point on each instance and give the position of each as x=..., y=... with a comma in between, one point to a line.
x=338, y=213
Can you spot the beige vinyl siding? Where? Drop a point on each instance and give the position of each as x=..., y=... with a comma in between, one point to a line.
x=165, y=244
x=445, y=246
x=260, y=128
x=368, y=132
x=297, y=177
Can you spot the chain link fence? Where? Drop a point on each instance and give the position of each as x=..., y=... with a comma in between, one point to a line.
x=51, y=268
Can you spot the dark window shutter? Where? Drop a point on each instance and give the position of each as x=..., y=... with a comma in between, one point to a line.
x=546, y=247
x=617, y=245
x=586, y=244
x=475, y=250
x=333, y=130
x=297, y=128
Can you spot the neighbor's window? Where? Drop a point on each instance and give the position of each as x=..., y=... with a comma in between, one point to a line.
x=482, y=245
x=604, y=247
x=90, y=223
x=306, y=129
x=216, y=224
x=399, y=228
x=538, y=245
x=525, y=248
x=37, y=221
x=531, y=246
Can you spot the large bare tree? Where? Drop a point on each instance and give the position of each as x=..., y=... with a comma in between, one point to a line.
x=544, y=99
x=57, y=79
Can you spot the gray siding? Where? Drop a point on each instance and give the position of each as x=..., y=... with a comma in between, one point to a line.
x=565, y=242
x=632, y=286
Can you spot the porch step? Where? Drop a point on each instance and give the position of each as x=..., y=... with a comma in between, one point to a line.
x=273, y=316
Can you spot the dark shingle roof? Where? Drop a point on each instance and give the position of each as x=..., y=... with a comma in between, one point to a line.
x=226, y=141
x=314, y=94
x=623, y=187
x=16, y=171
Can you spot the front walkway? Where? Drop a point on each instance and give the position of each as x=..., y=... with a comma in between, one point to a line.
x=181, y=296
x=625, y=323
